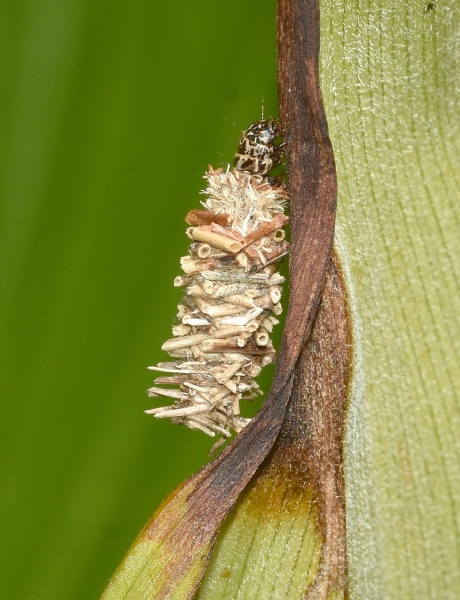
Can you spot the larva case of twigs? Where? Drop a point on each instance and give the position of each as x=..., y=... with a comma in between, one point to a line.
x=232, y=291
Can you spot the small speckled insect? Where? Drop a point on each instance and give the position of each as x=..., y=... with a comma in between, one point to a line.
x=257, y=152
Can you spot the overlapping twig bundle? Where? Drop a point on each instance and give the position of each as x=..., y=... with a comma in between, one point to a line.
x=232, y=297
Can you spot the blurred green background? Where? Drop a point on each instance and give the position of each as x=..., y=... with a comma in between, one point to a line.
x=110, y=113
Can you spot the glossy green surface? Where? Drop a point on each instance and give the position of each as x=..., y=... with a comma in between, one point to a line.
x=110, y=113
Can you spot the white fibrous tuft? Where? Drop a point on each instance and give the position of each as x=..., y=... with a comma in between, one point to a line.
x=232, y=297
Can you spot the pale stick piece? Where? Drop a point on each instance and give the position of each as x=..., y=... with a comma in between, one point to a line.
x=229, y=372
x=270, y=270
x=241, y=300
x=184, y=342
x=203, y=305
x=253, y=257
x=153, y=411
x=154, y=392
x=229, y=331
x=252, y=326
x=268, y=360
x=197, y=409
x=275, y=293
x=277, y=309
x=219, y=396
x=220, y=442
x=236, y=405
x=168, y=370
x=206, y=217
x=270, y=348
x=216, y=290
x=232, y=357
x=244, y=387
x=275, y=255
x=239, y=277
x=230, y=345
x=171, y=380
x=221, y=430
x=181, y=311
x=188, y=302
x=240, y=423
x=217, y=415
x=262, y=258
x=276, y=279
x=256, y=293
x=191, y=265
x=215, y=239
x=192, y=249
x=197, y=388
x=198, y=364
x=223, y=310
x=261, y=337
x=264, y=302
x=278, y=253
x=254, y=370
x=198, y=353
x=192, y=424
x=195, y=321
x=179, y=364
x=242, y=338
x=243, y=319
x=224, y=345
x=242, y=260
x=265, y=229
x=181, y=353
x=251, y=395
x=268, y=325
x=230, y=232
x=181, y=281
x=203, y=250
x=217, y=369
x=216, y=393
x=231, y=385
x=181, y=330
x=196, y=291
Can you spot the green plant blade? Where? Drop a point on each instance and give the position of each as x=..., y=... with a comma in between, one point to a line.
x=144, y=573
x=270, y=545
x=390, y=79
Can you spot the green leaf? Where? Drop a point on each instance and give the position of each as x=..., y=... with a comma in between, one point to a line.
x=270, y=545
x=390, y=80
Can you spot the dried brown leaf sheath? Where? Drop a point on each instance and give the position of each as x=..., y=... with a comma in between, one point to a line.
x=183, y=532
